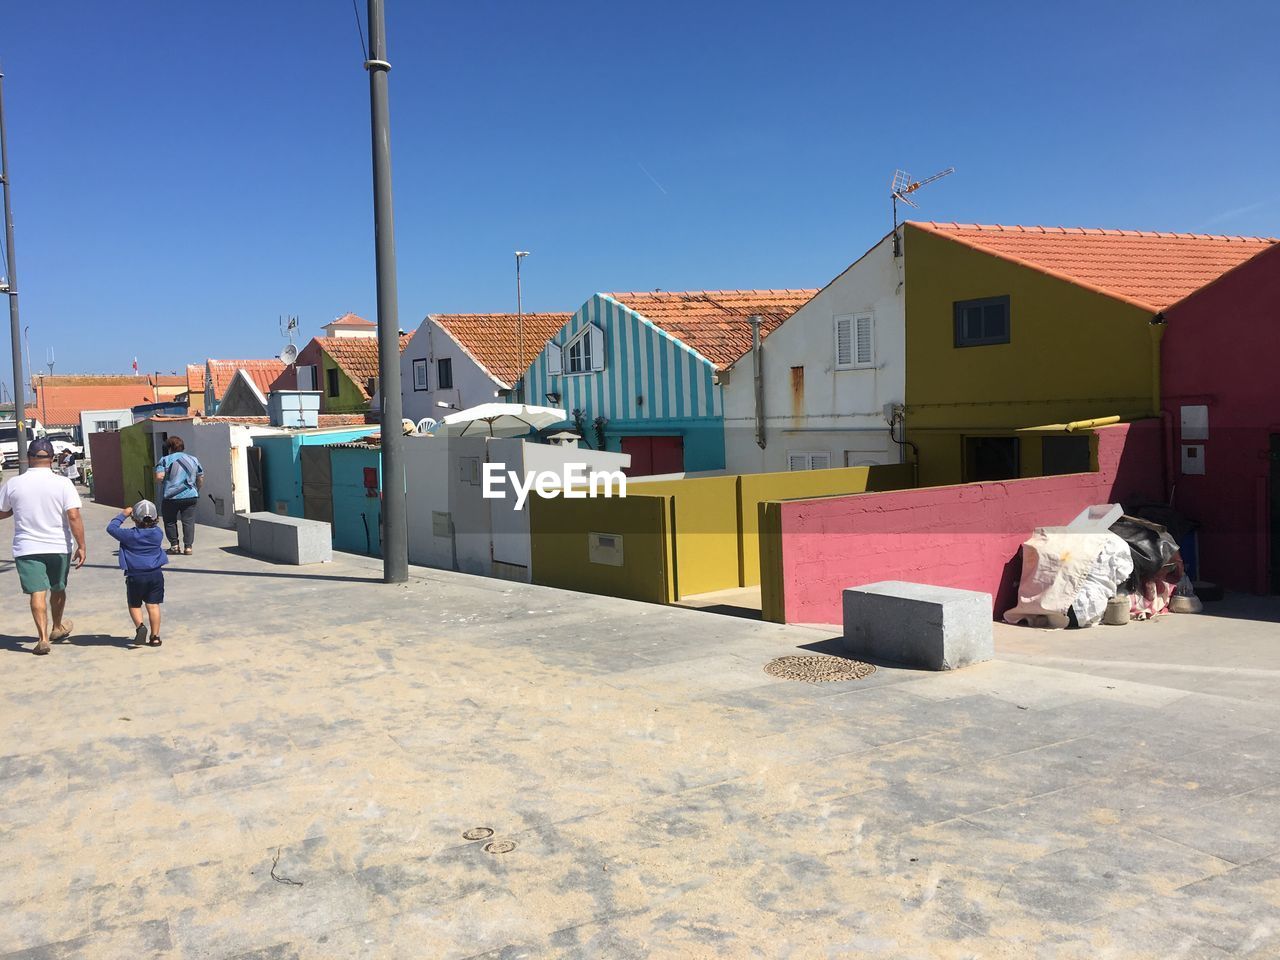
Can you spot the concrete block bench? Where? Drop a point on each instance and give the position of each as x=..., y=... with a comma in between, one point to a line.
x=284, y=539
x=936, y=628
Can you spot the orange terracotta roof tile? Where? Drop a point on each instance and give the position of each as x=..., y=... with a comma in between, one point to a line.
x=1150, y=270
x=59, y=404
x=357, y=356
x=264, y=373
x=351, y=320
x=491, y=340
x=714, y=322
x=195, y=377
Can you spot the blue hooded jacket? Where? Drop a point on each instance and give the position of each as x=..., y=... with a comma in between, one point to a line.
x=141, y=548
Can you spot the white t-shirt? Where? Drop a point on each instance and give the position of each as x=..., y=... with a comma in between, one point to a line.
x=40, y=500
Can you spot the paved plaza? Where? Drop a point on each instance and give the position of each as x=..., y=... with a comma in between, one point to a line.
x=292, y=774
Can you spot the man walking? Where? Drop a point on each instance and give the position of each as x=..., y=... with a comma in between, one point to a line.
x=46, y=516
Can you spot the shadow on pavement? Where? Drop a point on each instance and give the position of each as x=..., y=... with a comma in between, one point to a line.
x=25, y=644
x=834, y=647
x=179, y=567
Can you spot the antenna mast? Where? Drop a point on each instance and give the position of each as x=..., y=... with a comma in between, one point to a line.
x=901, y=188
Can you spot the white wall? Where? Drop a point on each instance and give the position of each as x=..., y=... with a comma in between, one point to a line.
x=489, y=537
x=220, y=448
x=472, y=384
x=842, y=411
x=89, y=417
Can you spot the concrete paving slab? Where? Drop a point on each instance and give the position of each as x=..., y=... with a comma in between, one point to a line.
x=665, y=796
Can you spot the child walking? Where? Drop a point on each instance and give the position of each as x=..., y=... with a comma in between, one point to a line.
x=141, y=558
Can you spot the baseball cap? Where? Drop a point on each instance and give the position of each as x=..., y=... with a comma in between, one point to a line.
x=40, y=447
x=144, y=510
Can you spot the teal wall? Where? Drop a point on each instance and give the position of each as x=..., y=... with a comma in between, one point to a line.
x=354, y=510
x=282, y=464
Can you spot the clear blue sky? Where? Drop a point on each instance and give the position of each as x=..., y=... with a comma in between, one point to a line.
x=186, y=172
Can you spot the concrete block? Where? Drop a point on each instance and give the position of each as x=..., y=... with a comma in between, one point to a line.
x=936, y=628
x=285, y=539
x=242, y=532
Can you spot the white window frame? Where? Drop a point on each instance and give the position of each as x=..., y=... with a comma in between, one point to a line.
x=861, y=328
x=590, y=344
x=812, y=459
x=420, y=367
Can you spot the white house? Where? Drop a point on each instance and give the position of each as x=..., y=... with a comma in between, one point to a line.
x=830, y=372
x=465, y=359
x=350, y=325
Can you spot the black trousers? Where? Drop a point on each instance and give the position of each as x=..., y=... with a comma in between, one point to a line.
x=184, y=510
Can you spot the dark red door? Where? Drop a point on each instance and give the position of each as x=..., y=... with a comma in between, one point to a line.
x=654, y=455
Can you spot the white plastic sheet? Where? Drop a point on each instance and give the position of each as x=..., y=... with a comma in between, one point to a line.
x=1063, y=568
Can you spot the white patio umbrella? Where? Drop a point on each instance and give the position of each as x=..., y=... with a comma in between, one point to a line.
x=501, y=420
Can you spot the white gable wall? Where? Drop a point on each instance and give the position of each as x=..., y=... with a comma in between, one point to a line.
x=840, y=411
x=472, y=384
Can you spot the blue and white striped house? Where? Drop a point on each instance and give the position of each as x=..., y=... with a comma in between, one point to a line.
x=640, y=370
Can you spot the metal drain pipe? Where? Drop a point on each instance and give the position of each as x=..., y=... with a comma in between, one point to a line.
x=757, y=361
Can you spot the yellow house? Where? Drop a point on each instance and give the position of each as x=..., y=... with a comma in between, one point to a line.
x=1014, y=334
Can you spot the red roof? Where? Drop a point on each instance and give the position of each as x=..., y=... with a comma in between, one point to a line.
x=357, y=357
x=714, y=322
x=491, y=339
x=195, y=377
x=268, y=375
x=59, y=403
x=350, y=320
x=1149, y=270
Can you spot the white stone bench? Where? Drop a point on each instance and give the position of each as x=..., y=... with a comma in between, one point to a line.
x=284, y=539
x=935, y=628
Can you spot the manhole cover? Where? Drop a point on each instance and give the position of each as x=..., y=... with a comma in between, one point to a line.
x=818, y=669
x=499, y=846
x=478, y=833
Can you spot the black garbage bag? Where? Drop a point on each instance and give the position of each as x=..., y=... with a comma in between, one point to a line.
x=1155, y=552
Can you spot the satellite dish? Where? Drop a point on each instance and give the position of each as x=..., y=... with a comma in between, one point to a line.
x=427, y=425
x=289, y=354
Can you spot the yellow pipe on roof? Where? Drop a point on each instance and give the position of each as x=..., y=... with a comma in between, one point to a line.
x=1075, y=425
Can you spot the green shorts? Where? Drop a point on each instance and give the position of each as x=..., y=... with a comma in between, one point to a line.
x=38, y=572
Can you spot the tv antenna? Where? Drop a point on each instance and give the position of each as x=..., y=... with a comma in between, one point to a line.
x=902, y=187
x=288, y=327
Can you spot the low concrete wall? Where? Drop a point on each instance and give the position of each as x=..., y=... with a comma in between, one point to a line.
x=560, y=536
x=966, y=536
x=707, y=537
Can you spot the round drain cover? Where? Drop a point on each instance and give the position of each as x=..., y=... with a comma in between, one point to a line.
x=499, y=846
x=816, y=668
x=478, y=833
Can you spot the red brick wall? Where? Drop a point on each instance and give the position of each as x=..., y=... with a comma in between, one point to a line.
x=965, y=536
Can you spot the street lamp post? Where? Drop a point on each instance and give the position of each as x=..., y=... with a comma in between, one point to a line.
x=520, y=255
x=395, y=538
x=11, y=288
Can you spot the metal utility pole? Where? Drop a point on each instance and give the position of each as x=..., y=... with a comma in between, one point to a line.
x=395, y=533
x=11, y=270
x=520, y=255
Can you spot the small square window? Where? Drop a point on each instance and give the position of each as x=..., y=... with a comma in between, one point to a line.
x=331, y=382
x=981, y=322
x=992, y=458
x=420, y=375
x=444, y=373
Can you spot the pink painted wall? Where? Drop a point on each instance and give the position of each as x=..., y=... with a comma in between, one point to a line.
x=967, y=536
x=1222, y=348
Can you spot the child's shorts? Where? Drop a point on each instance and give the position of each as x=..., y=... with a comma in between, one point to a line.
x=144, y=587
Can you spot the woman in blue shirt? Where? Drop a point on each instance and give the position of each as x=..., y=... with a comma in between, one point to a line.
x=182, y=477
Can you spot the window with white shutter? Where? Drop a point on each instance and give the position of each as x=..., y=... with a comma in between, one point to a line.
x=585, y=352
x=864, y=344
x=807, y=460
x=844, y=343
x=555, y=359
x=855, y=341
